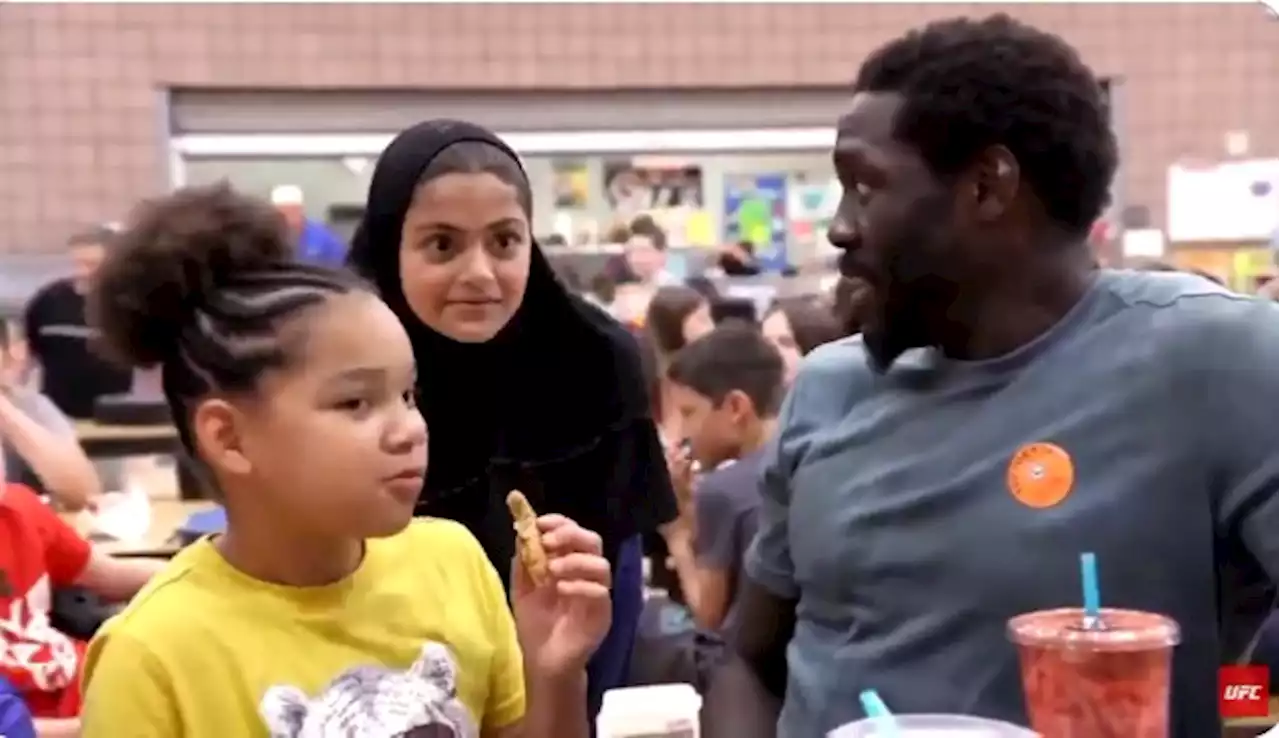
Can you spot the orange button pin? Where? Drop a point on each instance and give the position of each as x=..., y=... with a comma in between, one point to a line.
x=1041, y=475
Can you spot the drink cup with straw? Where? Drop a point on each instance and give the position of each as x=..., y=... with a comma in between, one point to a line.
x=878, y=711
x=881, y=723
x=1094, y=671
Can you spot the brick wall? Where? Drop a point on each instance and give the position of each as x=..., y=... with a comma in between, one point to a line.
x=81, y=123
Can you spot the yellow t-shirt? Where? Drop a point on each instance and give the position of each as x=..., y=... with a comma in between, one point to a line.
x=419, y=637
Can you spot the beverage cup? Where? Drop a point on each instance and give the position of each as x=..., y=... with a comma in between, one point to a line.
x=657, y=711
x=1108, y=679
x=930, y=726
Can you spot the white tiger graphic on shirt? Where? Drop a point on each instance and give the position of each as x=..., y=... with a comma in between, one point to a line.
x=376, y=702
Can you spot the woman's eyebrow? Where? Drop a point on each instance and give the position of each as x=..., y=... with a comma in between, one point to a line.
x=435, y=225
x=439, y=225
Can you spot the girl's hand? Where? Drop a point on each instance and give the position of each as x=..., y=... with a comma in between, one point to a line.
x=561, y=623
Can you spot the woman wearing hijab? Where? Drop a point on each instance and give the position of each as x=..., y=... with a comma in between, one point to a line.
x=523, y=385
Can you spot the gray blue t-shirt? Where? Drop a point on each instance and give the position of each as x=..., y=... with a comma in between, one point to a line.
x=889, y=509
x=728, y=501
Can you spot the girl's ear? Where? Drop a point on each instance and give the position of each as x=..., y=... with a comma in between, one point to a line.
x=216, y=429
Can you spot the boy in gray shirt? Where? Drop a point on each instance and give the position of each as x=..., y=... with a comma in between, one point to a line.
x=727, y=387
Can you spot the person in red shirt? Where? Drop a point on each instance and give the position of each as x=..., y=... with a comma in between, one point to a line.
x=38, y=553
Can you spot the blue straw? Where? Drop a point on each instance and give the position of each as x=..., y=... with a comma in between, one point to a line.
x=1089, y=581
x=878, y=711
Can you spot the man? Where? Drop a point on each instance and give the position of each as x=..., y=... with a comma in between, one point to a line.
x=58, y=337
x=316, y=243
x=43, y=450
x=1006, y=407
x=645, y=253
x=726, y=387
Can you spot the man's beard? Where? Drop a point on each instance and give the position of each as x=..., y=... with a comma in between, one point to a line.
x=897, y=327
x=898, y=305
x=901, y=311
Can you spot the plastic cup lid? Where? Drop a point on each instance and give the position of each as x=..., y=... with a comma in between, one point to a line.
x=1121, y=630
x=932, y=726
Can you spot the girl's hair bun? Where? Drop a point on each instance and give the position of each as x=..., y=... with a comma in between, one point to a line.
x=173, y=254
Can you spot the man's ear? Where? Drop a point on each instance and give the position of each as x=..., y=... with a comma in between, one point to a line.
x=217, y=432
x=996, y=181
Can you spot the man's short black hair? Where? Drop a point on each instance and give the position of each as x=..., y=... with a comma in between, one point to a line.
x=970, y=84
x=734, y=356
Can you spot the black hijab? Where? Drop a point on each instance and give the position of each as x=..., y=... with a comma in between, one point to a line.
x=554, y=388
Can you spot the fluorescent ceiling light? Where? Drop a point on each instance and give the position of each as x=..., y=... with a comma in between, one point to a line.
x=526, y=144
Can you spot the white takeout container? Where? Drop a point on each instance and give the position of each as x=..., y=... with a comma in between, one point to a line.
x=667, y=710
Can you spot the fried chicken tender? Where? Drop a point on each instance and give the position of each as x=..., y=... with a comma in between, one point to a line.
x=528, y=540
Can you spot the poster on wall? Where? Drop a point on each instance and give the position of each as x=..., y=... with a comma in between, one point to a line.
x=685, y=226
x=572, y=183
x=666, y=189
x=642, y=184
x=811, y=204
x=755, y=210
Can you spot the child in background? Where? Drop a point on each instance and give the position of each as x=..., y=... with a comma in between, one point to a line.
x=797, y=326
x=323, y=610
x=44, y=452
x=39, y=552
x=727, y=387
x=675, y=317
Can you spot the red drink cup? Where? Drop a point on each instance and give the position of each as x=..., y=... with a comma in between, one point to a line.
x=1102, y=682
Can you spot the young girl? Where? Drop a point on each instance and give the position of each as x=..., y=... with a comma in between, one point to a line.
x=676, y=317
x=526, y=386
x=797, y=326
x=322, y=611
